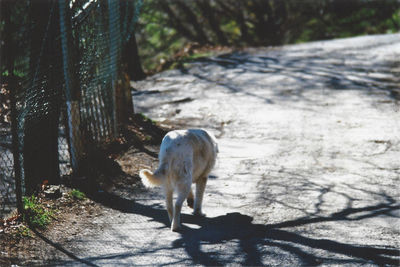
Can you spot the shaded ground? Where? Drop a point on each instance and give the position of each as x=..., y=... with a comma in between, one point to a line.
x=72, y=218
x=111, y=169
x=308, y=168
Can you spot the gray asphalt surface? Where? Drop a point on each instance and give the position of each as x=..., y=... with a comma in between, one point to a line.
x=308, y=171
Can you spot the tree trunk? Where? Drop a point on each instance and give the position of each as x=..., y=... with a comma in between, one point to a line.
x=176, y=22
x=123, y=100
x=209, y=13
x=130, y=55
x=40, y=149
x=8, y=60
x=235, y=10
x=192, y=19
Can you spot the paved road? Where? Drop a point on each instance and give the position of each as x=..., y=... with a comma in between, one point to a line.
x=308, y=170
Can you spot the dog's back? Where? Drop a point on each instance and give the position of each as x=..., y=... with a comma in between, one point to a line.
x=182, y=152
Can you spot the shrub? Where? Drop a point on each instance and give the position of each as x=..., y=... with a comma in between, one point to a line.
x=35, y=213
x=77, y=194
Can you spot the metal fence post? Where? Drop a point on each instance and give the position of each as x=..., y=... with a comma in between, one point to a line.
x=115, y=42
x=72, y=92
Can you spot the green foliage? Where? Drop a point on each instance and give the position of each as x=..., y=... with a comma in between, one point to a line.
x=24, y=231
x=165, y=27
x=232, y=30
x=19, y=27
x=146, y=119
x=76, y=194
x=16, y=73
x=198, y=55
x=35, y=213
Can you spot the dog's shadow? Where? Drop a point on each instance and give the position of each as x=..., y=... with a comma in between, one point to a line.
x=253, y=242
x=219, y=230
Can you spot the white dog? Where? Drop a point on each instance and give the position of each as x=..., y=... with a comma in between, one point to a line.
x=186, y=157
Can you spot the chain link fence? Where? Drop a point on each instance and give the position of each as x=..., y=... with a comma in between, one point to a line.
x=63, y=89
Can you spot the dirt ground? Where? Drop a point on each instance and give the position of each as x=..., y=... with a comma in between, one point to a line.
x=73, y=218
x=20, y=246
x=307, y=174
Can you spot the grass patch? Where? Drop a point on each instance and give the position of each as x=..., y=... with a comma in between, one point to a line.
x=146, y=119
x=36, y=215
x=24, y=231
x=76, y=194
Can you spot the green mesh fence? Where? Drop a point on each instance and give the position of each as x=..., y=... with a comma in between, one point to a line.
x=62, y=75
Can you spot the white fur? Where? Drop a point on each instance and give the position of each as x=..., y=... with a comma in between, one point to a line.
x=186, y=157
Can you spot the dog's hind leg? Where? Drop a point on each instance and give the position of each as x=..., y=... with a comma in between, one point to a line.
x=183, y=191
x=200, y=187
x=190, y=199
x=169, y=203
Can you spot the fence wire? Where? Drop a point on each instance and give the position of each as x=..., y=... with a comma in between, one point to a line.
x=63, y=65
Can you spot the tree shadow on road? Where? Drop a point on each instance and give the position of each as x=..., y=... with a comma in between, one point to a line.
x=257, y=241
x=303, y=69
x=236, y=226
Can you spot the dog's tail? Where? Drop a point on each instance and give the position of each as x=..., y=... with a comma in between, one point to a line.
x=157, y=178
